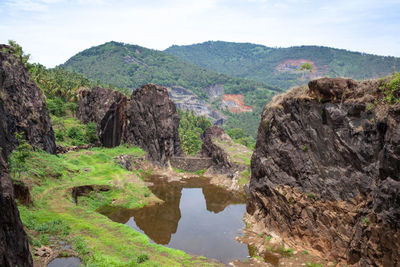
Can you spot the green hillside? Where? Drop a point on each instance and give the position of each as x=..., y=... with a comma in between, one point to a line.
x=131, y=66
x=277, y=66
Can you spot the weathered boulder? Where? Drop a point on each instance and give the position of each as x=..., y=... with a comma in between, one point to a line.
x=14, y=247
x=106, y=108
x=326, y=174
x=153, y=122
x=22, y=106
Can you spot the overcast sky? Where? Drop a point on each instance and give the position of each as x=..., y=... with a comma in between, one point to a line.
x=54, y=30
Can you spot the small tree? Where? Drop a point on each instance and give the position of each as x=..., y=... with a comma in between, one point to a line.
x=306, y=67
x=20, y=53
x=20, y=155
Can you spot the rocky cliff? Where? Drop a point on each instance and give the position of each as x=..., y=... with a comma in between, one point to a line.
x=148, y=119
x=326, y=172
x=22, y=106
x=22, y=109
x=14, y=248
x=106, y=108
x=153, y=122
x=187, y=100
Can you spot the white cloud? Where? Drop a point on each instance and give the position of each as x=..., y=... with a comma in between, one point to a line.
x=54, y=30
x=27, y=5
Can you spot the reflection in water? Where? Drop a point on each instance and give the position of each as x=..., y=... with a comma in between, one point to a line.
x=196, y=217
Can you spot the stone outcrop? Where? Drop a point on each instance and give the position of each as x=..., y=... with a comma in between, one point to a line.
x=106, y=108
x=22, y=106
x=326, y=172
x=191, y=164
x=210, y=149
x=153, y=122
x=14, y=247
x=148, y=119
x=227, y=156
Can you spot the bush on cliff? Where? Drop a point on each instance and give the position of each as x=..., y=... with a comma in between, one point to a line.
x=191, y=127
x=391, y=89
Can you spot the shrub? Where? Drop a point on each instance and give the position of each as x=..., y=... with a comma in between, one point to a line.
x=59, y=136
x=72, y=107
x=77, y=135
x=142, y=258
x=91, y=132
x=56, y=106
x=20, y=155
x=391, y=89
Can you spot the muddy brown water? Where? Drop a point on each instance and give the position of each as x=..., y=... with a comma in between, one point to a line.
x=196, y=217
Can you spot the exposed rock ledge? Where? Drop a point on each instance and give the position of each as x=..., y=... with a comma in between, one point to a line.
x=326, y=172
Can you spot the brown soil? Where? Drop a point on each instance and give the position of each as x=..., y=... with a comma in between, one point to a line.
x=238, y=105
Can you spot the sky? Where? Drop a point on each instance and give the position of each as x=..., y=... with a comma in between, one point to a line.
x=52, y=31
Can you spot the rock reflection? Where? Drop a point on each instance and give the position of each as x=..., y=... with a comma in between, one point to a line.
x=201, y=231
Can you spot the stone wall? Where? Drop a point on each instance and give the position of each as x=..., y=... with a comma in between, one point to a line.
x=191, y=164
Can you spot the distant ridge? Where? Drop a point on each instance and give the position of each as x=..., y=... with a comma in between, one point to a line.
x=277, y=66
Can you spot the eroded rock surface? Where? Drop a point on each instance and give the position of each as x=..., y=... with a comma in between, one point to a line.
x=148, y=119
x=106, y=108
x=22, y=106
x=227, y=156
x=187, y=100
x=153, y=122
x=14, y=247
x=326, y=172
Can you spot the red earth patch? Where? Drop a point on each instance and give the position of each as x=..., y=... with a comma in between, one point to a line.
x=235, y=104
x=294, y=65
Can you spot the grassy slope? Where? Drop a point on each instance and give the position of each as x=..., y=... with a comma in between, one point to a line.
x=258, y=63
x=98, y=240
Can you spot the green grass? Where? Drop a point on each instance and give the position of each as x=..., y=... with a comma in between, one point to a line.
x=97, y=240
x=238, y=153
x=245, y=177
x=312, y=264
x=390, y=86
x=286, y=251
x=63, y=125
x=199, y=172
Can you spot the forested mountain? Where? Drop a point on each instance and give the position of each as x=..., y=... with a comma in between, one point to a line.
x=130, y=66
x=278, y=66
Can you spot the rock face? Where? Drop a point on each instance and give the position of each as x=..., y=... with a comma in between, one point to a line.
x=153, y=122
x=106, y=108
x=186, y=100
x=326, y=172
x=148, y=119
x=14, y=248
x=210, y=149
x=22, y=108
x=227, y=156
